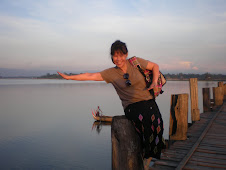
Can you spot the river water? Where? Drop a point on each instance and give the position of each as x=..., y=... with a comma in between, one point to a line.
x=47, y=124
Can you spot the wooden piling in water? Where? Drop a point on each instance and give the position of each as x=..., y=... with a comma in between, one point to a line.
x=224, y=91
x=178, y=117
x=126, y=145
x=195, y=113
x=218, y=96
x=206, y=99
x=220, y=84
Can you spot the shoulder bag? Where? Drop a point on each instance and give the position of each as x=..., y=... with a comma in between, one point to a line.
x=149, y=76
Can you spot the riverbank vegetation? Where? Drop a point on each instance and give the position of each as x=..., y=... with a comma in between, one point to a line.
x=179, y=76
x=206, y=77
x=169, y=76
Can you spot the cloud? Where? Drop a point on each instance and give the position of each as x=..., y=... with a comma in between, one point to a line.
x=70, y=31
x=195, y=68
x=179, y=66
x=188, y=65
x=185, y=64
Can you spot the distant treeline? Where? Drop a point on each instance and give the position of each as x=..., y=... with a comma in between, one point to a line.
x=53, y=76
x=179, y=76
x=206, y=76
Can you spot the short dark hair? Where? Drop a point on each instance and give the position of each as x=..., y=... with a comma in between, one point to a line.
x=118, y=46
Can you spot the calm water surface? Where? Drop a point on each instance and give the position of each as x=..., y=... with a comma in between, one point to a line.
x=47, y=124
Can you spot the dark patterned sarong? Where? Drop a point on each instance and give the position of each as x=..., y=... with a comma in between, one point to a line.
x=148, y=122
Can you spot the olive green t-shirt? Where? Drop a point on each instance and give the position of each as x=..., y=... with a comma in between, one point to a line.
x=128, y=94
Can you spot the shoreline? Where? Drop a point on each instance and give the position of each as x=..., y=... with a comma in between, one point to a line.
x=36, y=78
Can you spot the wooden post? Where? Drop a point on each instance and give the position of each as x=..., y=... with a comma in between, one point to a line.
x=220, y=84
x=179, y=117
x=126, y=145
x=224, y=91
x=206, y=99
x=195, y=113
x=218, y=96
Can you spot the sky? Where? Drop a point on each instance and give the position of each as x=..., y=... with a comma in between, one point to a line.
x=181, y=36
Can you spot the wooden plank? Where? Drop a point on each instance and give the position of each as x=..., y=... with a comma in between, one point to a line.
x=185, y=160
x=180, y=145
x=191, y=166
x=211, y=151
x=217, y=150
x=214, y=141
x=173, y=154
x=215, y=136
x=176, y=152
x=167, y=163
x=217, y=144
x=210, y=155
x=204, y=164
x=216, y=130
x=187, y=143
x=220, y=123
x=185, y=147
x=177, y=159
x=161, y=167
x=208, y=160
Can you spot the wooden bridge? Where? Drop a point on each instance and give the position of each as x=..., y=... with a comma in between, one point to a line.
x=201, y=146
x=205, y=147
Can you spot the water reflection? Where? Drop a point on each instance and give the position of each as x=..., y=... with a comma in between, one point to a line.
x=207, y=84
x=98, y=125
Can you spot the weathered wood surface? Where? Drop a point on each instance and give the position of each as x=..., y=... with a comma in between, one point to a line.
x=195, y=113
x=218, y=96
x=212, y=144
x=220, y=84
x=224, y=90
x=126, y=146
x=178, y=117
x=205, y=147
x=206, y=99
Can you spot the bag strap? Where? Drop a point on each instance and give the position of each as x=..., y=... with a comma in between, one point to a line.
x=144, y=72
